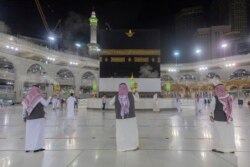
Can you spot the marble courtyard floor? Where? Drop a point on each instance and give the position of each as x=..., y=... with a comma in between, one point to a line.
x=167, y=139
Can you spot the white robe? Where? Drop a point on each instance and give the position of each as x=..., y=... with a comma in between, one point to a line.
x=54, y=103
x=34, y=136
x=127, y=137
x=223, y=133
x=58, y=104
x=155, y=103
x=71, y=107
x=178, y=105
x=223, y=136
x=199, y=104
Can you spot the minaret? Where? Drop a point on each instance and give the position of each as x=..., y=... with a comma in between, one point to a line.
x=93, y=28
x=93, y=47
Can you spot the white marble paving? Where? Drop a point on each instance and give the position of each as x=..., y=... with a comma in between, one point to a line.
x=167, y=138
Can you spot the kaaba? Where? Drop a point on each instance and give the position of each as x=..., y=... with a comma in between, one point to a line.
x=127, y=53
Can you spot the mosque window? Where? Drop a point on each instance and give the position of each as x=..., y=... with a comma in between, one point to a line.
x=6, y=65
x=240, y=73
x=36, y=69
x=166, y=78
x=187, y=77
x=212, y=75
x=65, y=74
x=88, y=76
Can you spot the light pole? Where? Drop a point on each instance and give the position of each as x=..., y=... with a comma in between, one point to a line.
x=78, y=45
x=176, y=55
x=51, y=38
x=224, y=47
x=198, y=52
x=98, y=50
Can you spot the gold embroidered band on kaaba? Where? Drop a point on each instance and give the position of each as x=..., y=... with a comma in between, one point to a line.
x=133, y=59
x=129, y=52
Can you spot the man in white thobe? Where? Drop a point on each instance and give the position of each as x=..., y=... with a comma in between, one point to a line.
x=71, y=106
x=34, y=116
x=54, y=103
x=155, y=103
x=69, y=127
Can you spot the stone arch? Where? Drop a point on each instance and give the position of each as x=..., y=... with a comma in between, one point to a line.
x=240, y=73
x=211, y=75
x=232, y=87
x=7, y=79
x=187, y=77
x=65, y=74
x=87, y=80
x=6, y=65
x=88, y=75
x=36, y=69
x=244, y=86
x=36, y=75
x=66, y=80
x=182, y=90
x=194, y=88
x=166, y=78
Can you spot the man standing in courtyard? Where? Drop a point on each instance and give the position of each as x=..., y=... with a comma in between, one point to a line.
x=34, y=116
x=127, y=137
x=104, y=100
x=71, y=106
x=221, y=116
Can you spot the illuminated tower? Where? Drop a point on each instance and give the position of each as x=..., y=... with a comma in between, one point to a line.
x=93, y=46
x=93, y=28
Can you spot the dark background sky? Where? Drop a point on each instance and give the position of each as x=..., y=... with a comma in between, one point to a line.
x=22, y=16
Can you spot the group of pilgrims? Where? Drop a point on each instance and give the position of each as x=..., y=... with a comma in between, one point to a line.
x=127, y=135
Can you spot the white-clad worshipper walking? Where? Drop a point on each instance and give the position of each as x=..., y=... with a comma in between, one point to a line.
x=54, y=102
x=69, y=124
x=34, y=116
x=58, y=103
x=127, y=138
x=221, y=116
x=156, y=107
x=178, y=103
x=198, y=103
x=71, y=106
x=104, y=101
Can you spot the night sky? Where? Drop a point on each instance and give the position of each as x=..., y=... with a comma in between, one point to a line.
x=23, y=18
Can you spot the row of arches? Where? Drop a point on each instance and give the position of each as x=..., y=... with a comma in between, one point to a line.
x=188, y=77
x=66, y=79
x=37, y=74
x=237, y=74
x=64, y=74
x=88, y=77
x=37, y=69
